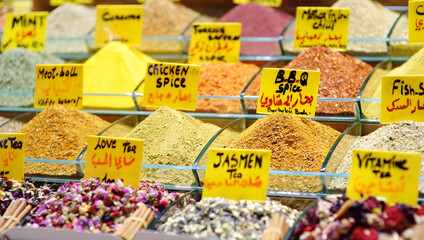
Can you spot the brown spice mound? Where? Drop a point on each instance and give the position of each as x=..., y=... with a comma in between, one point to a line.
x=58, y=133
x=297, y=144
x=341, y=77
x=225, y=79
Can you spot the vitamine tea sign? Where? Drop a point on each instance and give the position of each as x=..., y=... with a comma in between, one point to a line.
x=393, y=175
x=12, y=154
x=269, y=3
x=321, y=26
x=416, y=21
x=121, y=23
x=291, y=91
x=402, y=98
x=25, y=31
x=111, y=158
x=237, y=174
x=58, y=84
x=173, y=85
x=214, y=42
x=60, y=2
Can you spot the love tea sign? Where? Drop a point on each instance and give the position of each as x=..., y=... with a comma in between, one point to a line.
x=111, y=158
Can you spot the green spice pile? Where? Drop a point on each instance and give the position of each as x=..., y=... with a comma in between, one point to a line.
x=17, y=73
x=69, y=21
x=172, y=138
x=58, y=133
x=297, y=144
x=405, y=136
x=341, y=77
x=226, y=219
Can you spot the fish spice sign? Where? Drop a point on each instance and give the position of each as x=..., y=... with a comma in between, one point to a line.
x=321, y=26
x=237, y=174
x=290, y=91
x=393, y=175
x=402, y=98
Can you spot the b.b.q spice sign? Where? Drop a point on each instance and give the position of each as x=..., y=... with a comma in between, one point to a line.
x=121, y=23
x=171, y=84
x=393, y=175
x=12, y=154
x=402, y=98
x=321, y=26
x=25, y=31
x=112, y=158
x=416, y=21
x=290, y=91
x=214, y=42
x=237, y=174
x=58, y=84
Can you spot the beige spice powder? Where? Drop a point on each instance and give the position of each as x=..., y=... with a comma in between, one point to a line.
x=58, y=133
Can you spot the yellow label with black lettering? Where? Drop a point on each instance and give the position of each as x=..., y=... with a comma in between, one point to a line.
x=60, y=2
x=12, y=152
x=25, y=31
x=416, y=21
x=392, y=175
x=269, y=3
x=121, y=23
x=214, y=42
x=59, y=84
x=237, y=174
x=110, y=158
x=171, y=84
x=288, y=90
x=402, y=98
x=323, y=26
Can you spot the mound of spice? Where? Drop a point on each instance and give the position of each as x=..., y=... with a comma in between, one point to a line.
x=258, y=21
x=17, y=73
x=116, y=69
x=173, y=138
x=11, y=189
x=368, y=26
x=297, y=144
x=341, y=77
x=369, y=219
x=402, y=48
x=225, y=79
x=8, y=126
x=414, y=66
x=90, y=205
x=58, y=133
x=69, y=21
x=158, y=22
x=226, y=219
x=405, y=136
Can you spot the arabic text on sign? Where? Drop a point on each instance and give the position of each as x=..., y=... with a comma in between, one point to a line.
x=12, y=153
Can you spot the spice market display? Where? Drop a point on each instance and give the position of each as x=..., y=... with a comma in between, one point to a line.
x=306, y=192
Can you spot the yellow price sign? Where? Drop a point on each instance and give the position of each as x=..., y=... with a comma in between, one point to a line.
x=171, y=84
x=323, y=26
x=110, y=158
x=416, y=21
x=287, y=90
x=393, y=175
x=237, y=174
x=143, y=1
x=25, y=31
x=402, y=98
x=59, y=84
x=269, y=3
x=60, y=2
x=12, y=153
x=214, y=42
x=119, y=23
